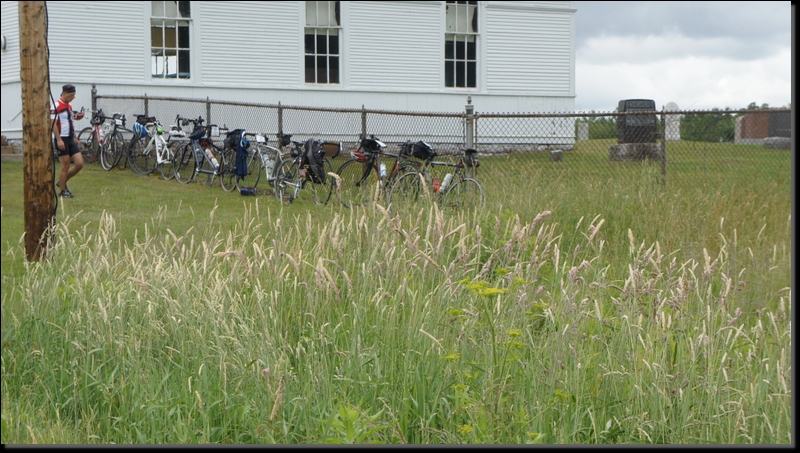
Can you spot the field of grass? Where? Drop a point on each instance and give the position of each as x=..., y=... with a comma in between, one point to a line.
x=600, y=308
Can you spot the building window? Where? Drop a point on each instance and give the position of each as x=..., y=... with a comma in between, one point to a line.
x=460, y=50
x=169, y=40
x=322, y=34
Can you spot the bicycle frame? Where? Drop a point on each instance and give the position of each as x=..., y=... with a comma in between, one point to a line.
x=157, y=141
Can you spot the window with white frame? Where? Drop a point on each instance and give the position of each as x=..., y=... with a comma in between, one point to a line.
x=322, y=34
x=170, y=24
x=460, y=44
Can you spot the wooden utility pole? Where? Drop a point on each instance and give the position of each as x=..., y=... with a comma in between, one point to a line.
x=38, y=170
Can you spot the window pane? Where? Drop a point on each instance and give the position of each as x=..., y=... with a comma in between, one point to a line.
x=449, y=73
x=171, y=9
x=183, y=64
x=333, y=43
x=184, y=9
x=450, y=18
x=157, y=63
x=157, y=9
x=310, y=70
x=170, y=35
x=311, y=13
x=322, y=43
x=471, y=48
x=310, y=42
x=322, y=69
x=183, y=35
x=323, y=13
x=461, y=71
x=334, y=69
x=473, y=18
x=471, y=74
x=156, y=39
x=172, y=63
x=449, y=48
x=461, y=49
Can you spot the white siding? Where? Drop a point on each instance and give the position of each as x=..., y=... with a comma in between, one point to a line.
x=249, y=43
x=392, y=56
x=93, y=41
x=534, y=4
x=394, y=46
x=10, y=29
x=536, y=58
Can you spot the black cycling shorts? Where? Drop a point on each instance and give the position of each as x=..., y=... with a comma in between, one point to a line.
x=70, y=147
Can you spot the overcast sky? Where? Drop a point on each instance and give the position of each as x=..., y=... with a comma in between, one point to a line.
x=699, y=55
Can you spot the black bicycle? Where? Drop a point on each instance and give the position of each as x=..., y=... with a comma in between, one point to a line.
x=364, y=178
x=202, y=157
x=307, y=168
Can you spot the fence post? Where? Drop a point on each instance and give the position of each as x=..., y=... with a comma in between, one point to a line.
x=208, y=111
x=94, y=97
x=146, y=106
x=469, y=126
x=280, y=117
x=95, y=143
x=363, y=121
x=663, y=146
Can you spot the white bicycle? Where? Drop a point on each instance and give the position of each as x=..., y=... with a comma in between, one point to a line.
x=150, y=150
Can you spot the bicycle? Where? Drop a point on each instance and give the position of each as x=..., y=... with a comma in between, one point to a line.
x=103, y=140
x=149, y=149
x=263, y=160
x=457, y=189
x=363, y=178
x=308, y=167
x=202, y=156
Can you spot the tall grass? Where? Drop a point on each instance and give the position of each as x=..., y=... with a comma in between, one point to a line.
x=607, y=312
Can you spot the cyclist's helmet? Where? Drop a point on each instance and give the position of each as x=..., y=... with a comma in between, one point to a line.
x=139, y=130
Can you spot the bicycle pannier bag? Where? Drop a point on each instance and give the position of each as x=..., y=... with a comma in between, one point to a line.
x=422, y=150
x=314, y=153
x=471, y=158
x=331, y=149
x=233, y=138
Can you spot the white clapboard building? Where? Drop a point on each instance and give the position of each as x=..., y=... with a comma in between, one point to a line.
x=427, y=56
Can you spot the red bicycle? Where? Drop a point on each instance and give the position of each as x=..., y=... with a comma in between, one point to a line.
x=103, y=140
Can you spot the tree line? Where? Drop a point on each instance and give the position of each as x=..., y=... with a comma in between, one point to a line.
x=715, y=126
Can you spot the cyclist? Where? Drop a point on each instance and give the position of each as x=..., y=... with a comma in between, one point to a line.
x=66, y=141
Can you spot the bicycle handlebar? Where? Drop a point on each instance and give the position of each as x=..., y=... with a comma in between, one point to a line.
x=185, y=121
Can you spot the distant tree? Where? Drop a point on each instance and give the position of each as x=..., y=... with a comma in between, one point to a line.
x=599, y=126
x=709, y=127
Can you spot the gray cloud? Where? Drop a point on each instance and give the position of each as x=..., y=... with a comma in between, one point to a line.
x=746, y=29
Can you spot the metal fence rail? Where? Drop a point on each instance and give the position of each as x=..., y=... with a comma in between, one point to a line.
x=565, y=145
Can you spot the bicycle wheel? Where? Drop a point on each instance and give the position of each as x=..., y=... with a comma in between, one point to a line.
x=113, y=146
x=287, y=181
x=463, y=193
x=141, y=156
x=184, y=164
x=407, y=188
x=121, y=159
x=227, y=176
x=357, y=185
x=321, y=192
x=402, y=169
x=270, y=161
x=86, y=139
x=167, y=166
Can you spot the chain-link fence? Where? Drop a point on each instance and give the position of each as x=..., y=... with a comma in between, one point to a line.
x=669, y=145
